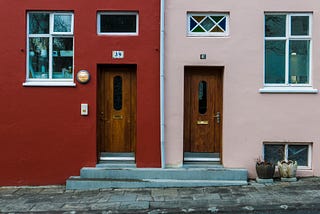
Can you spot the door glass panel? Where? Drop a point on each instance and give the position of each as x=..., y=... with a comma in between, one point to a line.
x=117, y=93
x=202, y=94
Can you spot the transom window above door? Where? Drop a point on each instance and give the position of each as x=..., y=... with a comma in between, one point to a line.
x=208, y=24
x=287, y=50
x=118, y=23
x=49, y=49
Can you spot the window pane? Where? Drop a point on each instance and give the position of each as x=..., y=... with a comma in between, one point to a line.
x=62, y=23
x=62, y=58
x=275, y=61
x=300, y=25
x=298, y=153
x=118, y=23
x=117, y=93
x=299, y=61
x=275, y=25
x=274, y=153
x=202, y=95
x=38, y=23
x=39, y=58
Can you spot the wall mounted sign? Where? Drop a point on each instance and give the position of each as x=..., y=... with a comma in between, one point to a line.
x=83, y=76
x=117, y=54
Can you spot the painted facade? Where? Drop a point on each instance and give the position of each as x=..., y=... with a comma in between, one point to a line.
x=253, y=114
x=214, y=61
x=44, y=139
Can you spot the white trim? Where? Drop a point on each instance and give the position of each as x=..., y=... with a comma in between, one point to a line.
x=117, y=158
x=198, y=159
x=48, y=83
x=118, y=33
x=208, y=34
x=286, y=144
x=292, y=89
x=284, y=87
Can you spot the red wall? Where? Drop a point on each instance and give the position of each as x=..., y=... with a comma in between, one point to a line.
x=43, y=138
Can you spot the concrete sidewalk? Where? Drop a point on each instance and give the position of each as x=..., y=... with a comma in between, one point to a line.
x=302, y=196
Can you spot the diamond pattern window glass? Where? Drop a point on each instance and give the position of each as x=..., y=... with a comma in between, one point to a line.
x=208, y=24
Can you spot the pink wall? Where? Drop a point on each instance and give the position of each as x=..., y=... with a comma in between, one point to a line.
x=249, y=117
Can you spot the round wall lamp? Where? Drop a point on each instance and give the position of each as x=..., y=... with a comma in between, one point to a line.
x=83, y=76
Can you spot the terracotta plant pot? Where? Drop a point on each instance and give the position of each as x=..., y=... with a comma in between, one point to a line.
x=287, y=169
x=265, y=170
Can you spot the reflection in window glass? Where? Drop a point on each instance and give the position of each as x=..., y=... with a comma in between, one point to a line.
x=117, y=93
x=39, y=58
x=298, y=153
x=278, y=152
x=275, y=25
x=202, y=95
x=50, y=56
x=299, y=61
x=300, y=25
x=287, y=49
x=274, y=153
x=275, y=61
x=62, y=23
x=38, y=23
x=62, y=57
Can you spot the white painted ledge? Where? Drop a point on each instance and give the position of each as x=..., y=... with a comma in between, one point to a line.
x=288, y=90
x=69, y=84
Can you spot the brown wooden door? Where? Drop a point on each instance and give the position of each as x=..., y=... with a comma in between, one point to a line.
x=117, y=108
x=203, y=109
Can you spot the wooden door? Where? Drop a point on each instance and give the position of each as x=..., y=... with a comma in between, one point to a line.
x=203, y=109
x=117, y=108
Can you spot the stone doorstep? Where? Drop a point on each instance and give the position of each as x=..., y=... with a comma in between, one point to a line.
x=264, y=181
x=289, y=179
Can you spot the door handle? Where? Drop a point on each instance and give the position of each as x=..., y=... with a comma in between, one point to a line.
x=218, y=117
x=102, y=118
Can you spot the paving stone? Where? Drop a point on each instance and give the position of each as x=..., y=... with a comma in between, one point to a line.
x=16, y=207
x=105, y=206
x=120, y=198
x=75, y=206
x=214, y=196
x=165, y=192
x=135, y=205
x=42, y=207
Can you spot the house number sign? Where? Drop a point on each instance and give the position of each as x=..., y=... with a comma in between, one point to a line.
x=117, y=54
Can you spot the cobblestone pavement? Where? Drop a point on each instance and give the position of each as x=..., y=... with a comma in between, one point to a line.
x=302, y=196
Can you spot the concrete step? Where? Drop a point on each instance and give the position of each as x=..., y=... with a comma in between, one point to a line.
x=86, y=183
x=171, y=173
x=110, y=177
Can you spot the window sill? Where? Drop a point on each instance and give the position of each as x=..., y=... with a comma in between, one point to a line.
x=69, y=84
x=288, y=90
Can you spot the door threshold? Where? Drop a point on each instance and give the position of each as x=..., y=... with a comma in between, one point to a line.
x=201, y=157
x=117, y=156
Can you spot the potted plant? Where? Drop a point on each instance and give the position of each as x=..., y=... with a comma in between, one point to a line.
x=265, y=170
x=288, y=170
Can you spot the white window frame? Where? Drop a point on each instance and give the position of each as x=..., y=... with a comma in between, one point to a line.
x=50, y=81
x=208, y=34
x=117, y=33
x=286, y=145
x=289, y=87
